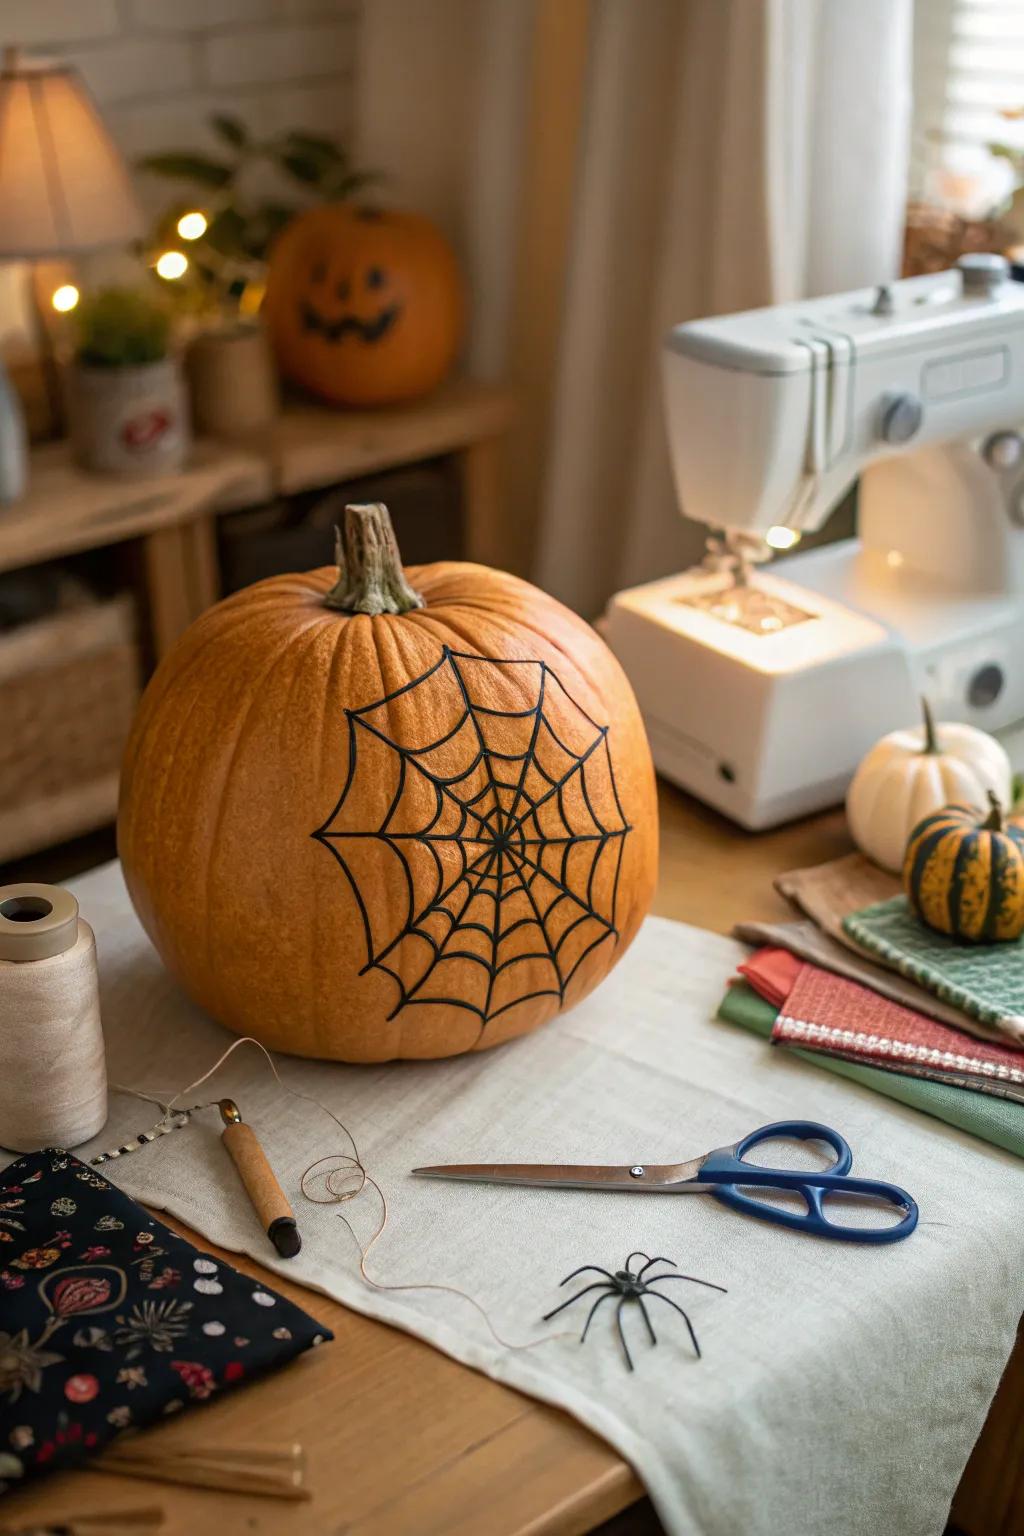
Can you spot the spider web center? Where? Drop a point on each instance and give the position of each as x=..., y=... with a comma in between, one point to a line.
x=505, y=834
x=509, y=846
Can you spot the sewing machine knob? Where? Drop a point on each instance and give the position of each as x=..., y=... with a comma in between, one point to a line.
x=901, y=417
x=985, y=685
x=983, y=274
x=1003, y=450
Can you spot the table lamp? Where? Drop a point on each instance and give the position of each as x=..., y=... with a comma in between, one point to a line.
x=64, y=186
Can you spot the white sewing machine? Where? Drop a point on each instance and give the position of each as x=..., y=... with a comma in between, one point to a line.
x=761, y=699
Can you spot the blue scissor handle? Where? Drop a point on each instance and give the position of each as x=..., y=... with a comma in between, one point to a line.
x=727, y=1167
x=798, y=1130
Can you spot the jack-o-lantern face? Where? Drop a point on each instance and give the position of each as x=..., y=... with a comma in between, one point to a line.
x=334, y=308
x=363, y=307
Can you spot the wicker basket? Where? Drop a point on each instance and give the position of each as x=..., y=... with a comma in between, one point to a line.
x=935, y=239
x=68, y=689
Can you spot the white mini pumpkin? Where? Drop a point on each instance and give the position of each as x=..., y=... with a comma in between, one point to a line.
x=908, y=775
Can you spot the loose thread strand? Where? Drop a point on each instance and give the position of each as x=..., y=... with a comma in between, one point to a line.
x=348, y=1164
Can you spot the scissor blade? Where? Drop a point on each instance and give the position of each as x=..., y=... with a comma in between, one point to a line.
x=636, y=1176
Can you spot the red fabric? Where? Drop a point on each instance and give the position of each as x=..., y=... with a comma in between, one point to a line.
x=820, y=1011
x=826, y=1012
x=772, y=973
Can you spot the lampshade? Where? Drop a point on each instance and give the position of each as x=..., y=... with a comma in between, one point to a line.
x=64, y=186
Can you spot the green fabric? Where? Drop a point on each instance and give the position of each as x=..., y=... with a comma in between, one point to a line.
x=999, y=1121
x=985, y=980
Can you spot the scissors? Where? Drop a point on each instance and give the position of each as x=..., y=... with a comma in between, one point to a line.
x=722, y=1173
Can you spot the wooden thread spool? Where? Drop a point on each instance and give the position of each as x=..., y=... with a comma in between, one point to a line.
x=266, y=1194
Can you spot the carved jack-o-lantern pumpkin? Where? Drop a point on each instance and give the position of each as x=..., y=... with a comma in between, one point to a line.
x=364, y=821
x=363, y=307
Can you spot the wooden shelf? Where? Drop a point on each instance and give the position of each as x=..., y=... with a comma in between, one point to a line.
x=67, y=511
x=312, y=445
x=309, y=447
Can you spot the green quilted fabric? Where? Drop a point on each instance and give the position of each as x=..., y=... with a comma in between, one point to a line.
x=999, y=1121
x=985, y=980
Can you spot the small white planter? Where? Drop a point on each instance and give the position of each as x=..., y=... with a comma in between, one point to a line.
x=129, y=421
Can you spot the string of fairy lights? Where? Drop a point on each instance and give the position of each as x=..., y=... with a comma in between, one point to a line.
x=171, y=265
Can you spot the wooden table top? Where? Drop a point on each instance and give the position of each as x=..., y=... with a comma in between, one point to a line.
x=400, y=1439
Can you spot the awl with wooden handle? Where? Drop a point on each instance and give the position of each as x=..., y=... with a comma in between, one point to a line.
x=266, y=1194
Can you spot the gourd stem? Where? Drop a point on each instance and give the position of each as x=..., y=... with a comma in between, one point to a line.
x=994, y=820
x=370, y=574
x=931, y=741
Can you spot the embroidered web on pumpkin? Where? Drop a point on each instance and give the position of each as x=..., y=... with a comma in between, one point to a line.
x=503, y=825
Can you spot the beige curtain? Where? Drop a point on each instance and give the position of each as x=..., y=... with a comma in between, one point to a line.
x=729, y=153
x=736, y=153
x=441, y=102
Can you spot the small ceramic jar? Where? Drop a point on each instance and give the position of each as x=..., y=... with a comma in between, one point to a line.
x=130, y=421
x=232, y=381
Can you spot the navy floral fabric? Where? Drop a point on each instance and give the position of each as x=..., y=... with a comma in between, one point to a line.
x=109, y=1320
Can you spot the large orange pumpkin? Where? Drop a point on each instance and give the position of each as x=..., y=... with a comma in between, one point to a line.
x=363, y=307
x=361, y=821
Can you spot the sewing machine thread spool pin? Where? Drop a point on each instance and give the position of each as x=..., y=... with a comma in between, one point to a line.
x=267, y=1196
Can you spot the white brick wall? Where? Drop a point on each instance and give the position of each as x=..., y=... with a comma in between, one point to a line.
x=158, y=68
x=125, y=69
x=282, y=52
x=196, y=15
x=56, y=21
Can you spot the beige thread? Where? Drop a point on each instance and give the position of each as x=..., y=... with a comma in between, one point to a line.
x=351, y=1165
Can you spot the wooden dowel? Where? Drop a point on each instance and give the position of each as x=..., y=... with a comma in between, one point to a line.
x=150, y=1517
x=224, y=1478
x=238, y=1451
x=153, y=1514
x=149, y=1514
x=282, y=1473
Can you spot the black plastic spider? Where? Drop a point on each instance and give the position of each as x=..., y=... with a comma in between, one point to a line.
x=628, y=1286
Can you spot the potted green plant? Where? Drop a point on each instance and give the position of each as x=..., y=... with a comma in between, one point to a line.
x=127, y=405
x=217, y=236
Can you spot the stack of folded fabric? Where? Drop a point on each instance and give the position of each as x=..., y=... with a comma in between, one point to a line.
x=860, y=987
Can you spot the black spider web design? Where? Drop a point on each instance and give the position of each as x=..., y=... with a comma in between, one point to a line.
x=506, y=859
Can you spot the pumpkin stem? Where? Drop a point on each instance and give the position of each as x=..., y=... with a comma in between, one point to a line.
x=931, y=741
x=994, y=820
x=370, y=574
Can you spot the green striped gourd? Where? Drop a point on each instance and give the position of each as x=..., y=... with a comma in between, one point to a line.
x=964, y=876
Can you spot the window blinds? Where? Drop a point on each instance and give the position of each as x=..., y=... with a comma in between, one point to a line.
x=968, y=69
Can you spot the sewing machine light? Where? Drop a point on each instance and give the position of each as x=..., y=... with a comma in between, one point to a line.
x=894, y=559
x=782, y=538
x=754, y=608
